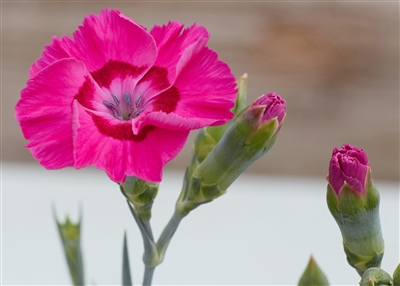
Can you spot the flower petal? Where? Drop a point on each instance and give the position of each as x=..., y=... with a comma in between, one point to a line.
x=44, y=110
x=203, y=94
x=171, y=44
x=52, y=52
x=110, y=145
x=108, y=37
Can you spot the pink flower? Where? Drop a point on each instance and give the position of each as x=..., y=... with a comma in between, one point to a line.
x=275, y=106
x=122, y=99
x=349, y=165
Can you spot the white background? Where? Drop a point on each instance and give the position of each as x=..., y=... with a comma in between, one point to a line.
x=261, y=232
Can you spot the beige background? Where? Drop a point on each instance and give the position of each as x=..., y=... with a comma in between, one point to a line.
x=336, y=64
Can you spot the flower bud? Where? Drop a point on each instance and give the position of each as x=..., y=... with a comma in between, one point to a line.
x=375, y=276
x=70, y=234
x=249, y=136
x=313, y=275
x=353, y=201
x=141, y=194
x=349, y=165
x=396, y=276
x=275, y=106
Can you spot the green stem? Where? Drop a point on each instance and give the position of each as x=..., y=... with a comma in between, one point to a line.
x=148, y=276
x=147, y=227
x=168, y=232
x=150, y=251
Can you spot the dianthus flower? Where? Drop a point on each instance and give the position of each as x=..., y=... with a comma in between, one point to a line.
x=122, y=99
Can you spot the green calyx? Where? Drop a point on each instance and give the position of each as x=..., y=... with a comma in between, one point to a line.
x=70, y=234
x=241, y=99
x=196, y=190
x=313, y=275
x=69, y=230
x=396, y=276
x=195, y=193
x=245, y=141
x=141, y=194
x=215, y=167
x=376, y=277
x=357, y=216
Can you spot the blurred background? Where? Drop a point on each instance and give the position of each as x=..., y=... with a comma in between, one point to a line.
x=335, y=63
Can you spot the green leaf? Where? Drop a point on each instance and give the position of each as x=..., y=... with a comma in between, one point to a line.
x=313, y=275
x=70, y=234
x=126, y=272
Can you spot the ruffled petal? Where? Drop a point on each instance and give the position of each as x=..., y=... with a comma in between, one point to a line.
x=52, y=52
x=110, y=145
x=108, y=41
x=172, y=42
x=203, y=94
x=173, y=121
x=44, y=111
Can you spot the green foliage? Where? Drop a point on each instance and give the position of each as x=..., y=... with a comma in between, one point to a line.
x=313, y=275
x=376, y=277
x=70, y=234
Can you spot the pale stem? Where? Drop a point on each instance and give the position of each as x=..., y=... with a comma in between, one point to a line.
x=149, y=248
x=148, y=276
x=147, y=227
x=152, y=250
x=168, y=232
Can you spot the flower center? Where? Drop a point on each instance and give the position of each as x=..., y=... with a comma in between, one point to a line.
x=126, y=109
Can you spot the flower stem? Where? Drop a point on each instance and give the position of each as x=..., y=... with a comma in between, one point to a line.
x=147, y=227
x=148, y=276
x=154, y=252
x=168, y=232
x=150, y=251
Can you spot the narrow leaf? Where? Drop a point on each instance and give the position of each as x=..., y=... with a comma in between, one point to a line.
x=70, y=234
x=126, y=272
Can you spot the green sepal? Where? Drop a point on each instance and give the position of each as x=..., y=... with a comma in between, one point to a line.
x=196, y=193
x=222, y=153
x=203, y=145
x=245, y=141
x=313, y=275
x=126, y=271
x=241, y=99
x=70, y=234
x=357, y=216
x=362, y=262
x=396, y=276
x=141, y=194
x=376, y=277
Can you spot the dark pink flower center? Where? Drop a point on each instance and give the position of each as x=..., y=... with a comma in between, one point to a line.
x=124, y=102
x=115, y=69
x=122, y=131
x=126, y=109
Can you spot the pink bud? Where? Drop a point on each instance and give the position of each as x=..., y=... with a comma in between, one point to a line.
x=349, y=165
x=275, y=106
